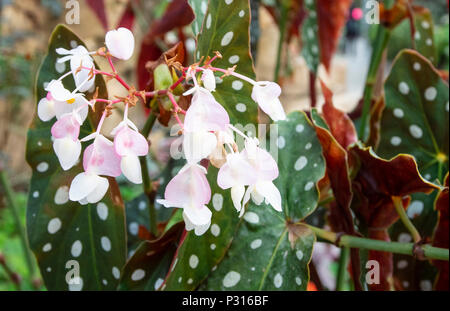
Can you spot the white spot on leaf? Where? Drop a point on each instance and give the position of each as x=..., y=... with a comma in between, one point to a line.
x=193, y=261
x=106, y=243
x=256, y=244
x=138, y=275
x=76, y=249
x=62, y=195
x=231, y=279
x=54, y=225
x=300, y=163
x=251, y=217
x=227, y=38
x=102, y=210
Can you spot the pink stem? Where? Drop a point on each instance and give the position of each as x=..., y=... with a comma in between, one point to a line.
x=111, y=63
x=175, y=104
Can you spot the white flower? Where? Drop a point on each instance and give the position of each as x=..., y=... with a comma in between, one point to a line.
x=120, y=43
x=78, y=56
x=130, y=144
x=190, y=190
x=265, y=170
x=204, y=117
x=66, y=144
x=60, y=101
x=88, y=188
x=267, y=94
x=236, y=173
x=209, y=80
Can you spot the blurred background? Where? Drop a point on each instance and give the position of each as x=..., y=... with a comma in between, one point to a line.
x=26, y=25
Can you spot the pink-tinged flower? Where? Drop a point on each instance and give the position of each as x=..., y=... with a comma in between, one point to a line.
x=265, y=170
x=198, y=145
x=209, y=80
x=190, y=190
x=46, y=108
x=236, y=173
x=78, y=56
x=60, y=101
x=66, y=144
x=266, y=95
x=205, y=113
x=88, y=188
x=130, y=144
x=218, y=156
x=120, y=43
x=204, y=116
x=99, y=158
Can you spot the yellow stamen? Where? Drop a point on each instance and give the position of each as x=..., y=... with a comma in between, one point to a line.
x=441, y=157
x=70, y=101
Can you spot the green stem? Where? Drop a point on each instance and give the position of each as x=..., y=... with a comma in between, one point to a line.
x=383, y=36
x=430, y=252
x=148, y=189
x=405, y=219
x=342, y=271
x=4, y=180
x=283, y=18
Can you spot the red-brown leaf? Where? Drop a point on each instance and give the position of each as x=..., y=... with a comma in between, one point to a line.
x=98, y=6
x=332, y=16
x=178, y=14
x=441, y=237
x=127, y=19
x=341, y=126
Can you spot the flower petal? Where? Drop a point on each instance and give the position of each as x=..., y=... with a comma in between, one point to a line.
x=198, y=230
x=209, y=80
x=66, y=126
x=120, y=43
x=205, y=113
x=131, y=168
x=100, y=190
x=266, y=94
x=46, y=109
x=100, y=158
x=82, y=186
x=237, y=171
x=264, y=166
x=58, y=91
x=130, y=142
x=198, y=145
x=271, y=193
x=188, y=186
x=198, y=215
x=68, y=152
x=237, y=193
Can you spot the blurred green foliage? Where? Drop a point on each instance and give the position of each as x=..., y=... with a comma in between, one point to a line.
x=11, y=249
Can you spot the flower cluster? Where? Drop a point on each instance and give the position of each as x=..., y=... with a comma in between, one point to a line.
x=206, y=134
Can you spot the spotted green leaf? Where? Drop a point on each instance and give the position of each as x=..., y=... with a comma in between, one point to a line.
x=68, y=239
x=424, y=35
x=415, y=120
x=151, y=261
x=310, y=36
x=263, y=257
x=301, y=165
x=272, y=250
x=199, y=7
x=226, y=30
